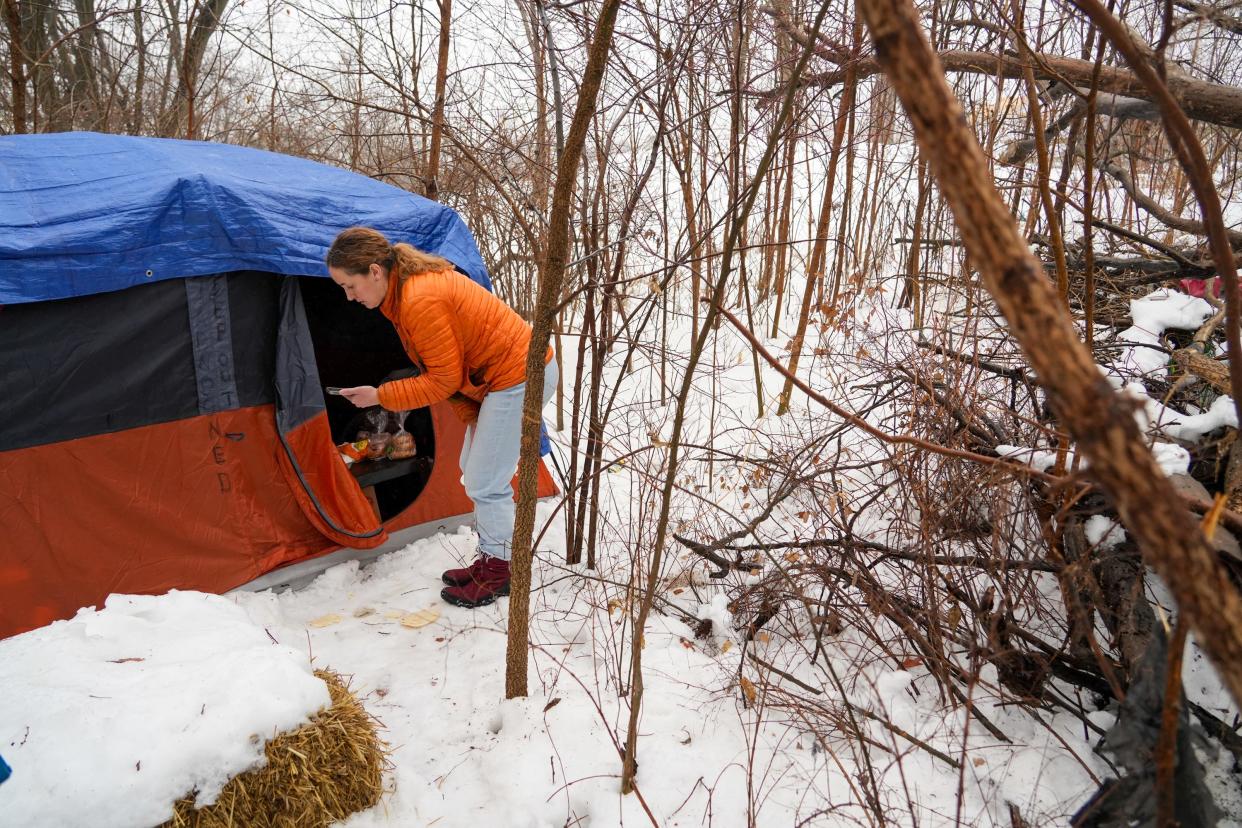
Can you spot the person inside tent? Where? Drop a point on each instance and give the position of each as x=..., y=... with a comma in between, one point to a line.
x=471, y=350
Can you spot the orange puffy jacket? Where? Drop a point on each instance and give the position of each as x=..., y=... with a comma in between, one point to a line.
x=467, y=342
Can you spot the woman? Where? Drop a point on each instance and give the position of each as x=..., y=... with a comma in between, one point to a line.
x=471, y=348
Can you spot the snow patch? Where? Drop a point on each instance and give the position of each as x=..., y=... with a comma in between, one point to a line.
x=1152, y=315
x=1103, y=532
x=111, y=716
x=1038, y=459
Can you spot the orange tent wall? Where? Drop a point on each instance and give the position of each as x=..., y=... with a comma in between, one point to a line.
x=336, y=496
x=202, y=503
x=444, y=495
x=197, y=503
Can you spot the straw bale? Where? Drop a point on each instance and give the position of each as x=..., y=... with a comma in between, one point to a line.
x=315, y=775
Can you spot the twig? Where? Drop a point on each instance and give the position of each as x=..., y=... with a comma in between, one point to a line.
x=892, y=728
x=979, y=561
x=1166, y=744
x=792, y=679
x=1152, y=243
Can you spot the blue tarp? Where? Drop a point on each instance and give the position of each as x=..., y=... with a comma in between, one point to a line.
x=84, y=213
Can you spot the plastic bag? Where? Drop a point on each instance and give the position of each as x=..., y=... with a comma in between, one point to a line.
x=401, y=446
x=377, y=446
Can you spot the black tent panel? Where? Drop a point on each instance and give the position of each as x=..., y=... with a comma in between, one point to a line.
x=95, y=364
x=113, y=361
x=254, y=308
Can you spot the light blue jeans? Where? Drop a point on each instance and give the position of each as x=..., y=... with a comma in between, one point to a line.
x=489, y=458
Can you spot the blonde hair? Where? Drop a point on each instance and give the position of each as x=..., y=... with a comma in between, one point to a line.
x=357, y=248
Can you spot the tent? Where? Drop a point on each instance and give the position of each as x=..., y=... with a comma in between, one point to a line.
x=166, y=332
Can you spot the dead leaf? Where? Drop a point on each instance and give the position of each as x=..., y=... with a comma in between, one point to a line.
x=551, y=704
x=363, y=612
x=911, y=663
x=978, y=761
x=748, y=689
x=687, y=643
x=793, y=557
x=123, y=660
x=728, y=645
x=422, y=618
x=804, y=516
x=1212, y=517
x=763, y=638
x=326, y=620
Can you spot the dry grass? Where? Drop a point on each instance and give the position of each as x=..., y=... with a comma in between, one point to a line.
x=315, y=775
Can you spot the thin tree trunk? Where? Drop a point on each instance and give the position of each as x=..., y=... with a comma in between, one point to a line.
x=782, y=231
x=1088, y=203
x=552, y=274
x=1044, y=178
x=847, y=203
x=769, y=230
x=431, y=185
x=554, y=70
x=84, y=91
x=202, y=25
x=912, y=295
x=140, y=81
x=17, y=65
x=579, y=492
x=737, y=152
x=683, y=162
x=819, y=253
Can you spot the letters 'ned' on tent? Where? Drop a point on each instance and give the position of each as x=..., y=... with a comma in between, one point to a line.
x=162, y=363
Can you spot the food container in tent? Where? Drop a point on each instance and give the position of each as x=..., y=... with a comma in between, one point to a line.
x=377, y=447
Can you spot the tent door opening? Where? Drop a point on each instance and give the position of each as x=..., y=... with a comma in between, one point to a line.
x=357, y=346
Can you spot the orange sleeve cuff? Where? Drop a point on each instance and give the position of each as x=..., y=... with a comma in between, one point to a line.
x=410, y=393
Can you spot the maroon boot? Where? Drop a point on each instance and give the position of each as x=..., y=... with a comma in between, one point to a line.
x=485, y=580
x=463, y=576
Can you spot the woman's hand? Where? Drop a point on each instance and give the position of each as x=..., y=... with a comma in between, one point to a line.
x=363, y=396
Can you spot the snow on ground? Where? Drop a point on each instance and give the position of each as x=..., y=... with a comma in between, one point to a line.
x=111, y=716
x=216, y=670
